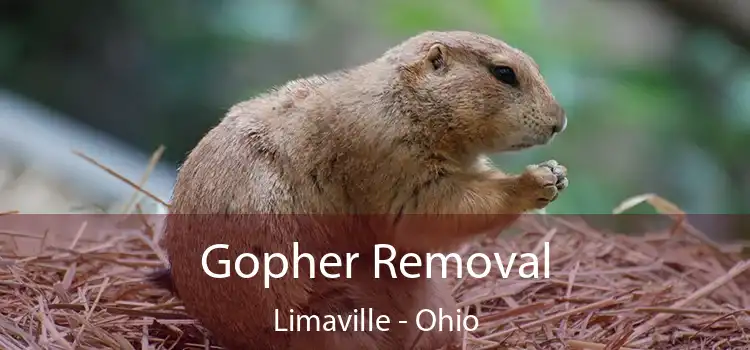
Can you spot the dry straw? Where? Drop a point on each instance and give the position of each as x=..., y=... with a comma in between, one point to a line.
x=670, y=289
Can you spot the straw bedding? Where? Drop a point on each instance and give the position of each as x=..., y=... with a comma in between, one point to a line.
x=660, y=290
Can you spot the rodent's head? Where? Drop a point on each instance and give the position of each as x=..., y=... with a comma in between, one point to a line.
x=478, y=90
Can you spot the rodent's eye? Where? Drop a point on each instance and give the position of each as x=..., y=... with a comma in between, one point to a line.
x=505, y=74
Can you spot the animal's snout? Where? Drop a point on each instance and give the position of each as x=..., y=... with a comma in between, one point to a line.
x=560, y=119
x=560, y=126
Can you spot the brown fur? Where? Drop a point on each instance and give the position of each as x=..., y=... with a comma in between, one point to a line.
x=407, y=133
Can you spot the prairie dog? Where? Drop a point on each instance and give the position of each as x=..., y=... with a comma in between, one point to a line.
x=407, y=133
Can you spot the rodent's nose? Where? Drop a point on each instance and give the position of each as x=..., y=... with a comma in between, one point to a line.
x=561, y=120
x=560, y=127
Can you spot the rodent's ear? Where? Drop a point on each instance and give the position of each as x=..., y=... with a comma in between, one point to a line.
x=435, y=58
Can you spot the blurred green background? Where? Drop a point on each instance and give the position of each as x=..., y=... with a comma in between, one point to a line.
x=657, y=92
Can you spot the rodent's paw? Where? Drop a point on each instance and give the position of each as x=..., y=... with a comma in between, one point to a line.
x=561, y=174
x=542, y=183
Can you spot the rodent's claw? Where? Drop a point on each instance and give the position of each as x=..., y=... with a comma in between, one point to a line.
x=544, y=182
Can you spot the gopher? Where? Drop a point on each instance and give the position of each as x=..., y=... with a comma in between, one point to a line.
x=403, y=139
